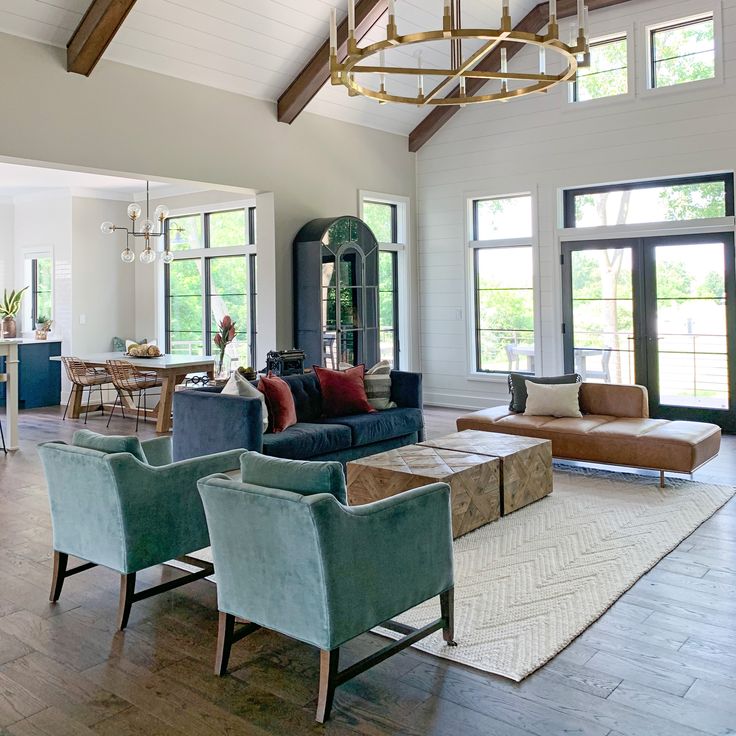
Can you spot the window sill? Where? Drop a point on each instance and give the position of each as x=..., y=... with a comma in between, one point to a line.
x=489, y=377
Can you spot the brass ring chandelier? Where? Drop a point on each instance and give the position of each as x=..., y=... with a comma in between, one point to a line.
x=574, y=54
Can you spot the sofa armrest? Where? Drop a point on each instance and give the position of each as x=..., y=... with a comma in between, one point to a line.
x=406, y=389
x=207, y=423
x=383, y=558
x=160, y=507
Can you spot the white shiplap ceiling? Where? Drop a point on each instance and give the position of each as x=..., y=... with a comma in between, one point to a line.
x=251, y=47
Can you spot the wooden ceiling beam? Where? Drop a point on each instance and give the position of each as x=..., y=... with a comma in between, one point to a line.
x=533, y=22
x=94, y=33
x=316, y=73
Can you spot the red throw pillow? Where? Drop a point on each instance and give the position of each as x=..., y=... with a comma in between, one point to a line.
x=281, y=409
x=343, y=392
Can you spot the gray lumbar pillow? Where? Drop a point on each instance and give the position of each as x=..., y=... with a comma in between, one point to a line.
x=517, y=386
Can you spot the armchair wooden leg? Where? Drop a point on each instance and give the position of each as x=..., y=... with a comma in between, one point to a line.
x=61, y=560
x=661, y=478
x=328, y=681
x=127, y=594
x=447, y=611
x=225, y=631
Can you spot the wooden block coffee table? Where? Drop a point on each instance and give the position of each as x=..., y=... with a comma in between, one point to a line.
x=473, y=481
x=526, y=463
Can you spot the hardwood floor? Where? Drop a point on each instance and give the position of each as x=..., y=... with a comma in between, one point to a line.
x=661, y=662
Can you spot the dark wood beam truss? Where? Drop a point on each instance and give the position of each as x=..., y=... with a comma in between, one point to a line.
x=94, y=33
x=533, y=22
x=316, y=73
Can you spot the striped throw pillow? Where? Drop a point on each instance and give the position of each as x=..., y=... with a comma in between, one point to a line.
x=377, y=382
x=378, y=386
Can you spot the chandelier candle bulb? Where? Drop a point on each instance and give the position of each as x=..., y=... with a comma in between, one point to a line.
x=351, y=17
x=333, y=31
x=585, y=23
x=552, y=11
x=581, y=14
x=542, y=60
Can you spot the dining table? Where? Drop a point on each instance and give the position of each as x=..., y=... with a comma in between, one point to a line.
x=171, y=369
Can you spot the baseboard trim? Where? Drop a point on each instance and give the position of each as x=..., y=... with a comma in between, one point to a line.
x=469, y=403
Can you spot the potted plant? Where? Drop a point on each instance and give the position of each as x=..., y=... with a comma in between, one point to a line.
x=9, y=308
x=41, y=320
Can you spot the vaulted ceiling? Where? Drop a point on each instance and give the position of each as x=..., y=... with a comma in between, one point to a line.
x=251, y=47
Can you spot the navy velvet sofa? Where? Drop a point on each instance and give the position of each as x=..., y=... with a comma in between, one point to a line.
x=206, y=422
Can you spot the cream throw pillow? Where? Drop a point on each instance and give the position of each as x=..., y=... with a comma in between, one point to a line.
x=237, y=385
x=552, y=400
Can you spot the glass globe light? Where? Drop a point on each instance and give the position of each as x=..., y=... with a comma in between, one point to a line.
x=161, y=212
x=107, y=228
x=134, y=211
x=148, y=255
x=167, y=256
x=147, y=226
x=127, y=256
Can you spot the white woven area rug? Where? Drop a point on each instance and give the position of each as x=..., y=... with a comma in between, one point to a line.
x=528, y=584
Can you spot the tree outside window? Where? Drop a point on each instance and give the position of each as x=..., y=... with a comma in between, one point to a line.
x=607, y=74
x=682, y=52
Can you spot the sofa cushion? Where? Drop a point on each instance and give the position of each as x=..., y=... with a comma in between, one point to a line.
x=517, y=386
x=280, y=403
x=558, y=400
x=238, y=385
x=343, y=392
x=304, y=440
x=298, y=476
x=383, y=425
x=110, y=443
x=307, y=396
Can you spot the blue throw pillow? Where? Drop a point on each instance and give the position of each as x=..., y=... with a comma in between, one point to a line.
x=109, y=443
x=298, y=476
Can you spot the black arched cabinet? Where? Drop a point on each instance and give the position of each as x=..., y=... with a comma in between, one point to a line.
x=336, y=292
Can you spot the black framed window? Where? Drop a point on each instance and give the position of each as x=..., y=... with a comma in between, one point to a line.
x=41, y=289
x=608, y=73
x=663, y=200
x=504, y=309
x=503, y=283
x=383, y=220
x=213, y=273
x=502, y=218
x=683, y=51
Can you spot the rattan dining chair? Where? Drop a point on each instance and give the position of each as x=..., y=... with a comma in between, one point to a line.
x=86, y=377
x=127, y=379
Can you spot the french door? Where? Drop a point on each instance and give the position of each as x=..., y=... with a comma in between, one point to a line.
x=660, y=312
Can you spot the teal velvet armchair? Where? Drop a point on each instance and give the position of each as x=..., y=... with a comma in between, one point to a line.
x=307, y=566
x=122, y=504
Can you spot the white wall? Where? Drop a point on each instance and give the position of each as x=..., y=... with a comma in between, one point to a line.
x=6, y=244
x=103, y=287
x=542, y=144
x=314, y=167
